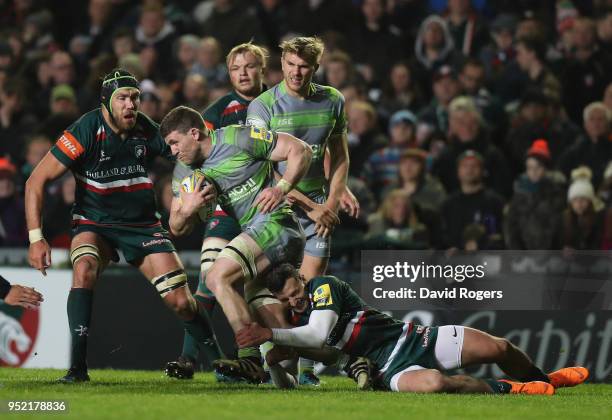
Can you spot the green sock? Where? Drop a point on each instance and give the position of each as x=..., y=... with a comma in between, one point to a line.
x=79, y=318
x=200, y=336
x=499, y=387
x=306, y=365
x=206, y=298
x=252, y=352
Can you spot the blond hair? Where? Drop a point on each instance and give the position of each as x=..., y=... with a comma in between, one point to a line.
x=388, y=204
x=260, y=53
x=307, y=48
x=597, y=106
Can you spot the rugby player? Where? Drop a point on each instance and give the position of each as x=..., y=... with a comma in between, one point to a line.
x=246, y=64
x=314, y=113
x=238, y=160
x=109, y=151
x=407, y=357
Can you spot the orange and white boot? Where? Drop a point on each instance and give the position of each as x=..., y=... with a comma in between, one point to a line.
x=569, y=376
x=530, y=388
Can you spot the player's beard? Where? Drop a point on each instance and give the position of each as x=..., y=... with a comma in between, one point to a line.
x=124, y=124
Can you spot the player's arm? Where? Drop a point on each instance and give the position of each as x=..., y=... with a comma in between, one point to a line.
x=348, y=201
x=338, y=170
x=47, y=170
x=324, y=218
x=312, y=335
x=298, y=156
x=184, y=209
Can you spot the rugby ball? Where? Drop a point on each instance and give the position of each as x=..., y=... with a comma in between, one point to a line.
x=188, y=184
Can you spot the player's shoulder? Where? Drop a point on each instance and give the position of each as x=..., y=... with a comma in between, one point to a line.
x=317, y=282
x=328, y=91
x=89, y=121
x=269, y=97
x=215, y=108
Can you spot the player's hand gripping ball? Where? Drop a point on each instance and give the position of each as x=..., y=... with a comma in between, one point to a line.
x=189, y=183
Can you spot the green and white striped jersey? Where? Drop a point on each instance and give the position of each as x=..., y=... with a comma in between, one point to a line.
x=240, y=168
x=314, y=120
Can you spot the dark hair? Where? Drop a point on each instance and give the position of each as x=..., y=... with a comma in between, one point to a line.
x=182, y=119
x=474, y=62
x=535, y=44
x=279, y=276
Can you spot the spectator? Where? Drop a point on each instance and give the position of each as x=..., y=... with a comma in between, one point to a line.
x=123, y=43
x=195, y=92
x=604, y=32
x=396, y=225
x=338, y=68
x=433, y=48
x=466, y=27
x=538, y=117
x=401, y=91
x=374, y=42
x=15, y=122
x=186, y=54
x=584, y=221
x=231, y=22
x=209, y=63
x=12, y=211
x=467, y=133
x=445, y=88
x=36, y=149
x=424, y=190
x=473, y=204
x=472, y=80
x=595, y=147
x=586, y=75
x=498, y=57
x=363, y=137
x=381, y=169
x=150, y=105
x=531, y=58
x=64, y=111
x=99, y=25
x=533, y=217
x=155, y=32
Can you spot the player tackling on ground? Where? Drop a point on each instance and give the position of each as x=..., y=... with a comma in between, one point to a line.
x=109, y=151
x=406, y=357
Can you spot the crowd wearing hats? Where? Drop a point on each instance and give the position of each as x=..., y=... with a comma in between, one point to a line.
x=471, y=125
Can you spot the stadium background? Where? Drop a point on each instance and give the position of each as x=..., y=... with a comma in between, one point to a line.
x=529, y=68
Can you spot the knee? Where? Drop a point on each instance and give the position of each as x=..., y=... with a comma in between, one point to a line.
x=180, y=304
x=503, y=347
x=435, y=382
x=215, y=280
x=85, y=272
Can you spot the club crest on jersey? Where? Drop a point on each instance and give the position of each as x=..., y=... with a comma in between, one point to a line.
x=140, y=151
x=322, y=296
x=261, y=134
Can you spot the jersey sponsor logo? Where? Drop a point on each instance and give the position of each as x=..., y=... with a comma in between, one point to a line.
x=317, y=151
x=321, y=245
x=322, y=296
x=261, y=134
x=153, y=242
x=426, y=337
x=103, y=157
x=71, y=147
x=240, y=191
x=284, y=121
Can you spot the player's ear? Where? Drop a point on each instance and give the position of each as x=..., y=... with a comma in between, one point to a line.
x=195, y=133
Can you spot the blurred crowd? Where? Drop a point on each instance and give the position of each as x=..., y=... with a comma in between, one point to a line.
x=472, y=124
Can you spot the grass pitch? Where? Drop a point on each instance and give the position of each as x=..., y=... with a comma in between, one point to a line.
x=150, y=395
